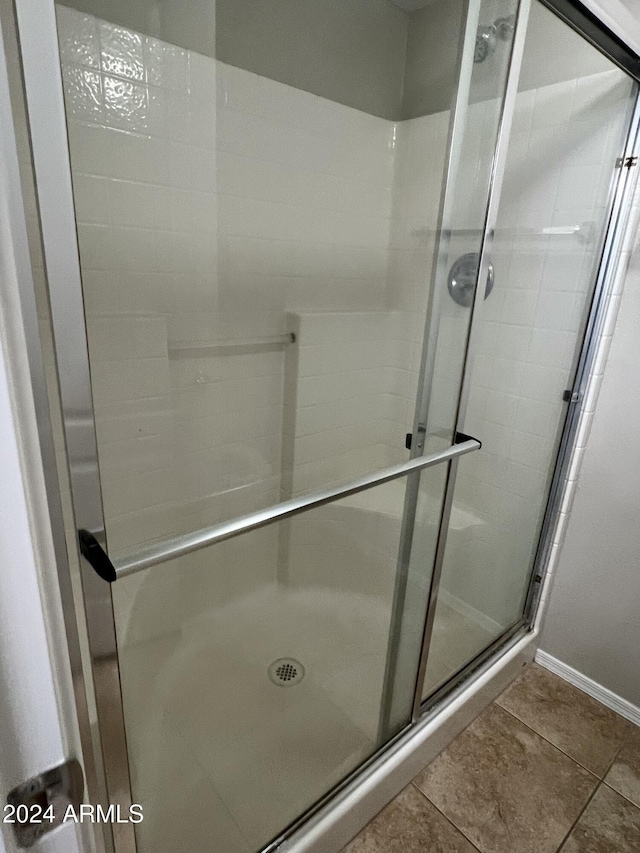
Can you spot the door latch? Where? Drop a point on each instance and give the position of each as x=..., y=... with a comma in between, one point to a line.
x=40, y=804
x=408, y=439
x=570, y=396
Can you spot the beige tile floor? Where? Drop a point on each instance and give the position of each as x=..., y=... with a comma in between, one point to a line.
x=543, y=769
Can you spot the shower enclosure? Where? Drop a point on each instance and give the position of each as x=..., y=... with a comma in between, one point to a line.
x=323, y=280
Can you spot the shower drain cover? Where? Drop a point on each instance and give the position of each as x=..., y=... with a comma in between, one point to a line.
x=285, y=672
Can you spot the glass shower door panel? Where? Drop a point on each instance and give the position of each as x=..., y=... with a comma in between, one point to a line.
x=253, y=288
x=254, y=284
x=475, y=129
x=568, y=131
x=475, y=123
x=251, y=698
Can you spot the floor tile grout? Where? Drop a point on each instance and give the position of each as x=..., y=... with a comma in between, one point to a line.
x=596, y=778
x=615, y=791
x=609, y=768
x=582, y=811
x=448, y=819
x=599, y=782
x=575, y=761
x=614, y=759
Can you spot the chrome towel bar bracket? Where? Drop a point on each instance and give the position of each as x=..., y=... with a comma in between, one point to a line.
x=96, y=556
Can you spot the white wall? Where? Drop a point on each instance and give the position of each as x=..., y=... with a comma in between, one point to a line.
x=593, y=617
x=33, y=736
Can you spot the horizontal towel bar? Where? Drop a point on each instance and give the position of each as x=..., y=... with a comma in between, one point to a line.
x=232, y=347
x=178, y=546
x=583, y=231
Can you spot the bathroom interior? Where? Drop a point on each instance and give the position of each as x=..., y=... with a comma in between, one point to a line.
x=317, y=240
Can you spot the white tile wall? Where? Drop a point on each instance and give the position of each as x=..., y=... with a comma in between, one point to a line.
x=209, y=202
x=345, y=397
x=213, y=205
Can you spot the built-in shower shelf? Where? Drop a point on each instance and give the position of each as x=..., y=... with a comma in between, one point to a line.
x=231, y=347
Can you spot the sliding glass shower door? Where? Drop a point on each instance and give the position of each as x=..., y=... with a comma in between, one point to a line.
x=570, y=124
x=257, y=228
x=275, y=400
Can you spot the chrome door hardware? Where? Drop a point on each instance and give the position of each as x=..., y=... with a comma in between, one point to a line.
x=570, y=396
x=461, y=437
x=40, y=804
x=626, y=162
x=408, y=439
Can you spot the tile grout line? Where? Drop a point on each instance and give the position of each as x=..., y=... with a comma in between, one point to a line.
x=609, y=786
x=614, y=759
x=457, y=828
x=599, y=782
x=582, y=811
x=624, y=797
x=575, y=761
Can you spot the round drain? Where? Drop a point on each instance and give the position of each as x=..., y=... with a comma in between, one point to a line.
x=285, y=672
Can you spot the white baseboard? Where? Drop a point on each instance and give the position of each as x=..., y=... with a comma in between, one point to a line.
x=606, y=697
x=473, y=614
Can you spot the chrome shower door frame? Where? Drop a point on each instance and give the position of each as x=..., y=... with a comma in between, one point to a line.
x=437, y=293
x=482, y=277
x=42, y=79
x=44, y=96
x=392, y=688
x=622, y=194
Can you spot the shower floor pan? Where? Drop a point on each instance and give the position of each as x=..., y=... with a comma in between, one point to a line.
x=222, y=758
x=223, y=755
